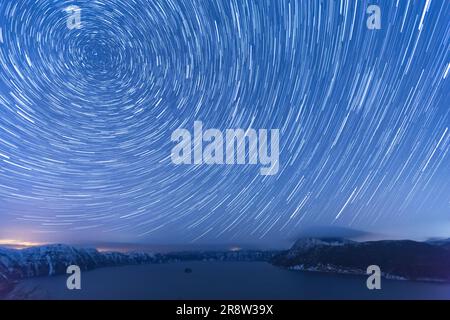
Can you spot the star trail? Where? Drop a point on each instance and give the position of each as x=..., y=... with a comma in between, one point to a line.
x=86, y=117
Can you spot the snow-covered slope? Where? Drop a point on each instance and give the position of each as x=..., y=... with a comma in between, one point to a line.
x=54, y=259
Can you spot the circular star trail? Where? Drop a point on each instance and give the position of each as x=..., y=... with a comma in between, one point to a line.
x=87, y=114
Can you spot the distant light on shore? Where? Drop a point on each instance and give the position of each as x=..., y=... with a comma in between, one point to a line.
x=113, y=249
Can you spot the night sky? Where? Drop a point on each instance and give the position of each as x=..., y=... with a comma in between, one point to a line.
x=86, y=117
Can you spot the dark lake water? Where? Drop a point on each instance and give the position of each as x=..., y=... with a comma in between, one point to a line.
x=223, y=280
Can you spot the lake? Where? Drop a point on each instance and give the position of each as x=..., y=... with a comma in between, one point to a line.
x=222, y=280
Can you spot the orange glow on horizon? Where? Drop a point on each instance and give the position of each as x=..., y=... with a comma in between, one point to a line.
x=18, y=244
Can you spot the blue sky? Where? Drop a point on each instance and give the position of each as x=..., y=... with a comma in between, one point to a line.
x=87, y=114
